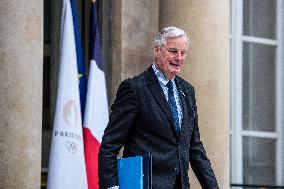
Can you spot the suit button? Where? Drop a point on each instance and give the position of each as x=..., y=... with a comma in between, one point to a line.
x=178, y=146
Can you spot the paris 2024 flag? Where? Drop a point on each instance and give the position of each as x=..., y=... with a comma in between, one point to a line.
x=66, y=161
x=96, y=110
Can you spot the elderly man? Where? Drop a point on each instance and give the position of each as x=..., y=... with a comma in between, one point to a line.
x=156, y=112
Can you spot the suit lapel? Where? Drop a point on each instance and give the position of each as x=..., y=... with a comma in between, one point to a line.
x=158, y=93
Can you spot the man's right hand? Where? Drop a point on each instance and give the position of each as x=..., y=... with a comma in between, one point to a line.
x=113, y=187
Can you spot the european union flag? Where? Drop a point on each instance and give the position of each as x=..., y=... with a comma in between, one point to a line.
x=80, y=59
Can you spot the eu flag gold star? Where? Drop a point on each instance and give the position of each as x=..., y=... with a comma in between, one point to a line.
x=79, y=77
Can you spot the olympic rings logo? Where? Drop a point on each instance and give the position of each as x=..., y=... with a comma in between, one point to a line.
x=71, y=146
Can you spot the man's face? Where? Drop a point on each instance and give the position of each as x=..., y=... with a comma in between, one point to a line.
x=170, y=58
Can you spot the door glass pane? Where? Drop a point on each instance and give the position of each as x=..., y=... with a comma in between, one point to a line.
x=259, y=161
x=231, y=16
x=259, y=18
x=258, y=87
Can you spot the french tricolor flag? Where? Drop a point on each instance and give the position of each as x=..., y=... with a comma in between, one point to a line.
x=96, y=108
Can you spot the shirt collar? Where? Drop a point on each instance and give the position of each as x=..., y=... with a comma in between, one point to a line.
x=160, y=76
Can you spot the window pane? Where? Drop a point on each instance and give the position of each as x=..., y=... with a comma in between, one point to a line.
x=258, y=87
x=231, y=17
x=231, y=157
x=259, y=161
x=259, y=18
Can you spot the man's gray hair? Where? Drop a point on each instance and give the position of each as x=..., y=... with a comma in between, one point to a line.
x=169, y=32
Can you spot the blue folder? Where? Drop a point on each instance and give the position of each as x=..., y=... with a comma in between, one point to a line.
x=130, y=172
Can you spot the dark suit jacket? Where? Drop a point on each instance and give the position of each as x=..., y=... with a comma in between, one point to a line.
x=141, y=121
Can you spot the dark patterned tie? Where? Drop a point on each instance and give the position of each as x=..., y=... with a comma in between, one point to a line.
x=173, y=105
